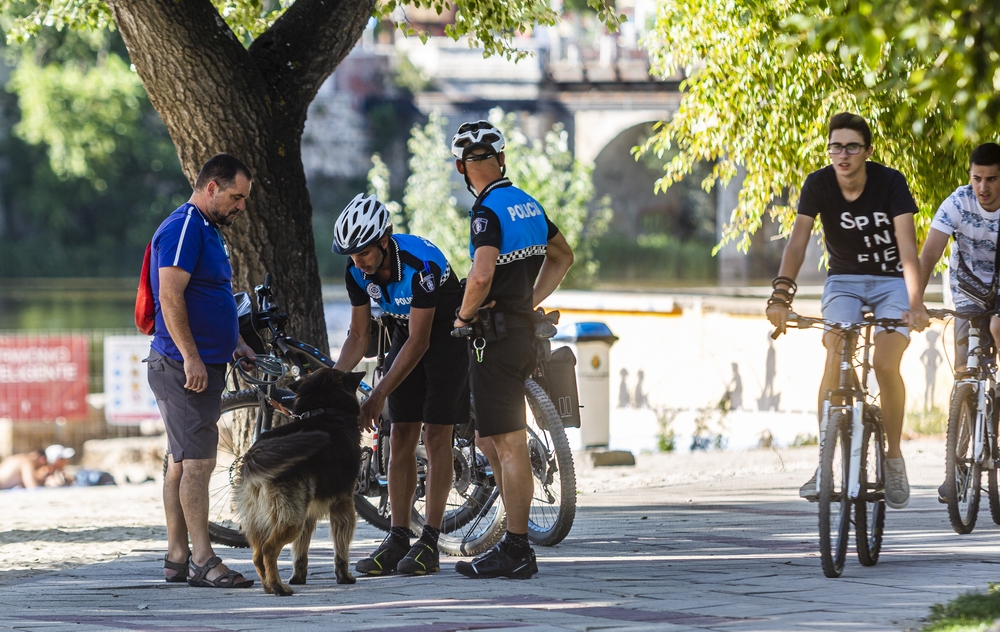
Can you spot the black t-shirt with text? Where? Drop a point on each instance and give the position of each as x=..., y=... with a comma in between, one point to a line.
x=860, y=235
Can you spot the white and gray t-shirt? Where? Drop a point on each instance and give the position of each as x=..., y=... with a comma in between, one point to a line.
x=975, y=232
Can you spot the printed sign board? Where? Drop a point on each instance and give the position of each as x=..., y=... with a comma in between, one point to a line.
x=44, y=377
x=127, y=398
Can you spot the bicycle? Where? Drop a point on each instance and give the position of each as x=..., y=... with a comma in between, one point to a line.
x=852, y=449
x=972, y=426
x=553, y=504
x=474, y=520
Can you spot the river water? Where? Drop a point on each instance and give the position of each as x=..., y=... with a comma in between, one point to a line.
x=108, y=304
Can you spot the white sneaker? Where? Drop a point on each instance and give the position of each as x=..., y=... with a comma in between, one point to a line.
x=897, y=488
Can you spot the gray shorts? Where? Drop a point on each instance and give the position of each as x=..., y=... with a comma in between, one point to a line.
x=191, y=419
x=845, y=294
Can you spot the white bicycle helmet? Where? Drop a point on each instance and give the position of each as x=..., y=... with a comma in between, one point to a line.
x=477, y=134
x=362, y=222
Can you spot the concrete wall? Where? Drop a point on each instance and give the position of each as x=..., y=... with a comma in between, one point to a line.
x=690, y=351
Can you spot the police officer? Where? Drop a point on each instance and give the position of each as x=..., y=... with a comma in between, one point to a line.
x=426, y=382
x=519, y=258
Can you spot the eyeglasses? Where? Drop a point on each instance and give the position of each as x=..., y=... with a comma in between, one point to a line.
x=852, y=149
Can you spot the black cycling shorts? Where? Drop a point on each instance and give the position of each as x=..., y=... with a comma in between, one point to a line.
x=437, y=390
x=498, y=382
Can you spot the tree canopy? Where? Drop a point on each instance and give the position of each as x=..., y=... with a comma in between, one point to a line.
x=763, y=78
x=238, y=76
x=546, y=170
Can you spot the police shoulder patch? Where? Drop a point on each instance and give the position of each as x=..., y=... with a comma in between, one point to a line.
x=427, y=282
x=479, y=225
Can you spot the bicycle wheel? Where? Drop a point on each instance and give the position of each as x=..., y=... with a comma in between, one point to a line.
x=474, y=517
x=993, y=487
x=371, y=497
x=834, y=505
x=553, y=502
x=962, y=473
x=223, y=521
x=869, y=508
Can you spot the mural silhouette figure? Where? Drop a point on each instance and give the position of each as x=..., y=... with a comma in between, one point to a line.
x=734, y=391
x=931, y=359
x=639, y=400
x=624, y=399
x=769, y=400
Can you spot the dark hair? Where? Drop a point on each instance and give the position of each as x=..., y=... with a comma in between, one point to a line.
x=846, y=120
x=985, y=155
x=221, y=168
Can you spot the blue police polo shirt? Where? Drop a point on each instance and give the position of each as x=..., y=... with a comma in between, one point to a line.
x=419, y=277
x=512, y=221
x=187, y=240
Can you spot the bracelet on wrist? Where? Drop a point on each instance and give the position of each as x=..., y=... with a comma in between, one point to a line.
x=458, y=315
x=790, y=286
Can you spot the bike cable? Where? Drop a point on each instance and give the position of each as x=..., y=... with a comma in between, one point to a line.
x=268, y=370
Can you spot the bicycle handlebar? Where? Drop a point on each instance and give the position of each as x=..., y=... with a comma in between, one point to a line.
x=805, y=322
x=943, y=313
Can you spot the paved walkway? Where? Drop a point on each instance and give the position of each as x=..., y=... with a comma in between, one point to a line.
x=650, y=551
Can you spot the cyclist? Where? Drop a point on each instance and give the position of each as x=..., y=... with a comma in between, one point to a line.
x=971, y=215
x=426, y=382
x=867, y=214
x=519, y=258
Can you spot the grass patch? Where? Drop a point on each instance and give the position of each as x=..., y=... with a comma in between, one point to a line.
x=971, y=612
x=928, y=422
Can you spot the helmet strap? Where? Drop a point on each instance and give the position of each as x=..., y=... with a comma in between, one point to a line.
x=468, y=184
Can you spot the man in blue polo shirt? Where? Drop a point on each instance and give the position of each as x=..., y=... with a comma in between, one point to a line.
x=197, y=333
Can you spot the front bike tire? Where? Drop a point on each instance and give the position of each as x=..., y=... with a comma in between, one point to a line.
x=372, y=502
x=553, y=501
x=962, y=473
x=834, y=504
x=993, y=487
x=869, y=508
x=223, y=521
x=474, y=517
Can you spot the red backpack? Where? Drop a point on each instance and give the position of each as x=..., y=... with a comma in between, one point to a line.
x=145, y=310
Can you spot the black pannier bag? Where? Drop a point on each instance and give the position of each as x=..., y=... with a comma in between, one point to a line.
x=558, y=377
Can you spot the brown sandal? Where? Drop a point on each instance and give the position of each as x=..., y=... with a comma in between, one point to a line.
x=180, y=567
x=226, y=580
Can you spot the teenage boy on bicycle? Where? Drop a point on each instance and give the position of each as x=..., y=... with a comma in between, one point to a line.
x=972, y=216
x=867, y=214
x=426, y=382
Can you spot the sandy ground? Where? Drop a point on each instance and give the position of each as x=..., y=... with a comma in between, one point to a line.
x=48, y=529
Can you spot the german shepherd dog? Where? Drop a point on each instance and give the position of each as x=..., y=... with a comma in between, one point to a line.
x=300, y=472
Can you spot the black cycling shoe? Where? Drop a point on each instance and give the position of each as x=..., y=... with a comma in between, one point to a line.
x=497, y=563
x=384, y=560
x=943, y=494
x=422, y=559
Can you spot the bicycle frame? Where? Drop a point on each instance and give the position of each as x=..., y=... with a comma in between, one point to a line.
x=981, y=370
x=854, y=394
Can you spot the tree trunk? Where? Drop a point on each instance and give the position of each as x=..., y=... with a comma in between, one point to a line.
x=215, y=96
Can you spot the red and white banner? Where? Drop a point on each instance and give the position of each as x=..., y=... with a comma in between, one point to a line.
x=44, y=377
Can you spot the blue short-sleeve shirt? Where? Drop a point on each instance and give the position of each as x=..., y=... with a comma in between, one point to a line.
x=187, y=240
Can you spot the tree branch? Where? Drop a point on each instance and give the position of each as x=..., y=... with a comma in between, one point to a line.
x=305, y=45
x=187, y=56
